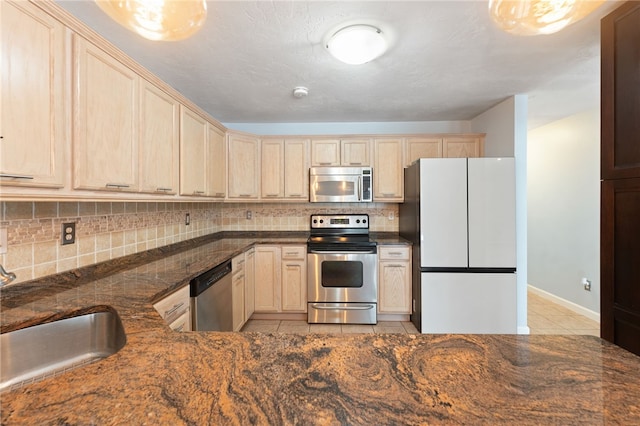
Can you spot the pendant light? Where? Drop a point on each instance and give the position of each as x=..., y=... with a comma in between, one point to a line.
x=534, y=17
x=158, y=19
x=357, y=44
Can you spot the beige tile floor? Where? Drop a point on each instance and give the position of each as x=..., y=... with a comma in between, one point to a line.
x=544, y=317
x=301, y=327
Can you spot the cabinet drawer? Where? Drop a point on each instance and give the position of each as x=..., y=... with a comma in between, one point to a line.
x=237, y=264
x=174, y=305
x=183, y=323
x=294, y=252
x=393, y=253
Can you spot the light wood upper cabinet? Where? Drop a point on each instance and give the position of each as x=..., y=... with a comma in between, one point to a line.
x=340, y=152
x=216, y=163
x=32, y=96
x=355, y=152
x=273, y=163
x=244, y=167
x=325, y=152
x=285, y=169
x=296, y=169
x=388, y=170
x=422, y=147
x=105, y=137
x=159, y=140
x=193, y=150
x=463, y=146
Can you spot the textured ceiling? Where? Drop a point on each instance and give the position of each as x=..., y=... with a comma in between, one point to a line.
x=447, y=61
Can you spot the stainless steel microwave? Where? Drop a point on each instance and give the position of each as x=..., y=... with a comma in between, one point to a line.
x=340, y=185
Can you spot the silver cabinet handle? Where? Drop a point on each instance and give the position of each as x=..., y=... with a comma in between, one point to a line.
x=271, y=195
x=343, y=308
x=117, y=185
x=325, y=164
x=198, y=192
x=245, y=195
x=295, y=195
x=355, y=164
x=219, y=194
x=163, y=189
x=9, y=176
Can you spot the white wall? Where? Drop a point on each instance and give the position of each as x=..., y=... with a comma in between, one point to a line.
x=564, y=208
x=352, y=128
x=506, y=127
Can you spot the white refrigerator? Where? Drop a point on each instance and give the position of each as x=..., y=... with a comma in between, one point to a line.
x=460, y=215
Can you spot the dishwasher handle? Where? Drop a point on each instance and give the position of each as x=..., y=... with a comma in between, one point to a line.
x=202, y=282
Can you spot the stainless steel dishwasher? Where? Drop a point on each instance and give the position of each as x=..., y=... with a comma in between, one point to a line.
x=211, y=304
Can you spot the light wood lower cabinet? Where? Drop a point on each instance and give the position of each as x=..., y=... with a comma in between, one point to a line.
x=268, y=278
x=175, y=309
x=394, y=279
x=33, y=111
x=250, y=283
x=105, y=132
x=238, y=276
x=280, y=278
x=294, y=278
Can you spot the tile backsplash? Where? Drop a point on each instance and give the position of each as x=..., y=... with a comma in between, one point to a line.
x=107, y=230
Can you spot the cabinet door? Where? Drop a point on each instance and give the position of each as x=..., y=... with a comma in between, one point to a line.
x=193, y=147
x=244, y=167
x=217, y=163
x=273, y=161
x=394, y=274
x=106, y=121
x=159, y=140
x=249, y=283
x=296, y=169
x=294, y=278
x=268, y=285
x=462, y=147
x=388, y=175
x=237, y=300
x=422, y=148
x=32, y=111
x=294, y=285
x=325, y=152
x=355, y=152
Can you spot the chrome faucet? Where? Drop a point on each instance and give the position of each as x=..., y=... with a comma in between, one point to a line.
x=6, y=277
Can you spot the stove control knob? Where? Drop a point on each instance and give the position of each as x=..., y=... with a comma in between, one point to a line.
x=358, y=221
x=315, y=220
x=364, y=220
x=321, y=221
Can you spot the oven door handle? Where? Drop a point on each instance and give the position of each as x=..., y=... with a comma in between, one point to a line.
x=321, y=307
x=370, y=251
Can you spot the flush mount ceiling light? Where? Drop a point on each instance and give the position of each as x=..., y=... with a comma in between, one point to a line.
x=535, y=17
x=300, y=92
x=357, y=44
x=158, y=19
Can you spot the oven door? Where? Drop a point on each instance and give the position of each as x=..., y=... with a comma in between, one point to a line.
x=342, y=287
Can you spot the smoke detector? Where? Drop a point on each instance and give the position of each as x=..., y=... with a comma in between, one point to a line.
x=300, y=92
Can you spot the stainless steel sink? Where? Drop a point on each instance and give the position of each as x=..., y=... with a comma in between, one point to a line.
x=40, y=351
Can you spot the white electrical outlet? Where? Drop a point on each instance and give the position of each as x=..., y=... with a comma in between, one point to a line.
x=586, y=284
x=3, y=240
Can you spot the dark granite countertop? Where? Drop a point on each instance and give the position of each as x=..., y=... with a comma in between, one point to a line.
x=165, y=377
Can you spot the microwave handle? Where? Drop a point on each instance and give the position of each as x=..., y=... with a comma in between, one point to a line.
x=359, y=188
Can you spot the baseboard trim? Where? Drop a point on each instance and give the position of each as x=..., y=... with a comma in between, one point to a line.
x=524, y=329
x=566, y=303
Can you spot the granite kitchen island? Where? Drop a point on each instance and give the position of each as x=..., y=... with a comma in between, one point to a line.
x=166, y=377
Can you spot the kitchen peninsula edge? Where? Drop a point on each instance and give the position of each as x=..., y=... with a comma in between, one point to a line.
x=165, y=377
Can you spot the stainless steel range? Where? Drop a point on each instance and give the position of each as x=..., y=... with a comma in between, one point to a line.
x=342, y=261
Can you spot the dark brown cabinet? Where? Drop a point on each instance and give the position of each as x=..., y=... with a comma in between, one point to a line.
x=620, y=168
